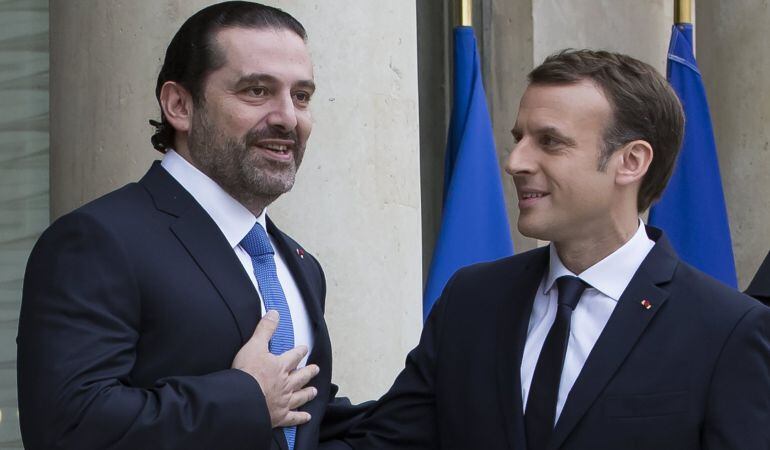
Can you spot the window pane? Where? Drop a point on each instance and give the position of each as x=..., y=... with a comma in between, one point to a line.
x=23, y=176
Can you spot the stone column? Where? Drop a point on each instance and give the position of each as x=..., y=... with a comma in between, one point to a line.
x=356, y=204
x=734, y=59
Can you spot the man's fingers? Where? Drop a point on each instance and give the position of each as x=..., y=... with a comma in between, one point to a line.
x=301, y=397
x=265, y=329
x=291, y=358
x=294, y=418
x=300, y=377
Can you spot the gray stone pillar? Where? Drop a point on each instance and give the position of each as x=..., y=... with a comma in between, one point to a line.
x=734, y=59
x=356, y=204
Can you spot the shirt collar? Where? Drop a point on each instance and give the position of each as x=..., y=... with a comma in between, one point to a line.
x=611, y=275
x=232, y=218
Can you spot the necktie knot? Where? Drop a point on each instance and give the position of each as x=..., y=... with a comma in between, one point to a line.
x=570, y=290
x=257, y=243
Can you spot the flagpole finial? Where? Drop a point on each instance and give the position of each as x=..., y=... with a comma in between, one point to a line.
x=466, y=13
x=683, y=11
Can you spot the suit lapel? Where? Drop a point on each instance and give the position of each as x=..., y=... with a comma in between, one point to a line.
x=627, y=323
x=279, y=439
x=206, y=244
x=513, y=313
x=300, y=267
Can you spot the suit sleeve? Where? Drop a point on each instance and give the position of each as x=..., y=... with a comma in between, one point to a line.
x=405, y=417
x=738, y=413
x=78, y=331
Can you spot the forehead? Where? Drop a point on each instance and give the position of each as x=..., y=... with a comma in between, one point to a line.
x=575, y=106
x=273, y=51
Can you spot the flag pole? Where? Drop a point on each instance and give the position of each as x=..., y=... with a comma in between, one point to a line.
x=466, y=13
x=683, y=11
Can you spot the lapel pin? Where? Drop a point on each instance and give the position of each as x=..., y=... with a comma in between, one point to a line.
x=301, y=253
x=646, y=303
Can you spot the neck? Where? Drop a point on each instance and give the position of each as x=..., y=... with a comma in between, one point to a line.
x=255, y=204
x=580, y=253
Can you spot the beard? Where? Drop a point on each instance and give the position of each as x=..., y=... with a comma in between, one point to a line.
x=238, y=166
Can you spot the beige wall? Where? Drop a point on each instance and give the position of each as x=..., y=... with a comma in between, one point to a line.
x=511, y=56
x=638, y=28
x=734, y=58
x=356, y=204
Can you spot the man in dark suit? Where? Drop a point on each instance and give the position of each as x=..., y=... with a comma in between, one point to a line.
x=759, y=288
x=140, y=324
x=604, y=339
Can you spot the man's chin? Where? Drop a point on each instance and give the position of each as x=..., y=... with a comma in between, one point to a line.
x=531, y=229
x=273, y=187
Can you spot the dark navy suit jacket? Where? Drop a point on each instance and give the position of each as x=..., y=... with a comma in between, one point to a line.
x=692, y=372
x=134, y=307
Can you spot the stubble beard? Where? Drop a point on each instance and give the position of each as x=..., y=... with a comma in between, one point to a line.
x=238, y=167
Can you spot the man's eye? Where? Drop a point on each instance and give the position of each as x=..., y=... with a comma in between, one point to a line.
x=548, y=141
x=302, y=97
x=257, y=91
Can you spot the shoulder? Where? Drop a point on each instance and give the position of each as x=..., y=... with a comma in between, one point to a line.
x=120, y=203
x=505, y=270
x=718, y=311
x=103, y=219
x=490, y=285
x=699, y=290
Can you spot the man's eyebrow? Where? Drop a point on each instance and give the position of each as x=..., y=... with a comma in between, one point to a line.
x=255, y=78
x=308, y=85
x=263, y=78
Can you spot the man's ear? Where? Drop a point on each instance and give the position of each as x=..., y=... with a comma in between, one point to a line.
x=177, y=105
x=634, y=160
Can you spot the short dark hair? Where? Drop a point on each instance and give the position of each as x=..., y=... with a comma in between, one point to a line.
x=644, y=107
x=193, y=54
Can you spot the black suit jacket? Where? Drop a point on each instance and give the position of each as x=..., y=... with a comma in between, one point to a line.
x=691, y=372
x=133, y=309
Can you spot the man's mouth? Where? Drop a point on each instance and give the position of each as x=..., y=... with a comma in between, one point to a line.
x=282, y=149
x=529, y=198
x=527, y=195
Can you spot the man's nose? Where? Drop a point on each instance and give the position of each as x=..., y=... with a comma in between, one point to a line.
x=283, y=113
x=520, y=160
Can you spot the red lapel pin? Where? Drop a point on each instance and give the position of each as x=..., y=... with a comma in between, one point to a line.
x=301, y=253
x=646, y=303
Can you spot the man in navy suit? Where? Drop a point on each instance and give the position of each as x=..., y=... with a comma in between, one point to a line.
x=140, y=324
x=604, y=339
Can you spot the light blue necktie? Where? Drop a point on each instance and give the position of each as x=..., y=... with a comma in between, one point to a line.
x=257, y=245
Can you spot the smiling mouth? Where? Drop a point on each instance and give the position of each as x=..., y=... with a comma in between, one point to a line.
x=528, y=195
x=281, y=149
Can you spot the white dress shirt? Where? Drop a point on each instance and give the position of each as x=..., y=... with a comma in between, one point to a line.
x=607, y=280
x=235, y=221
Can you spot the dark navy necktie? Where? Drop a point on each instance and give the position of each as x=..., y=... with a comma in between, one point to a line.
x=540, y=414
x=257, y=245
